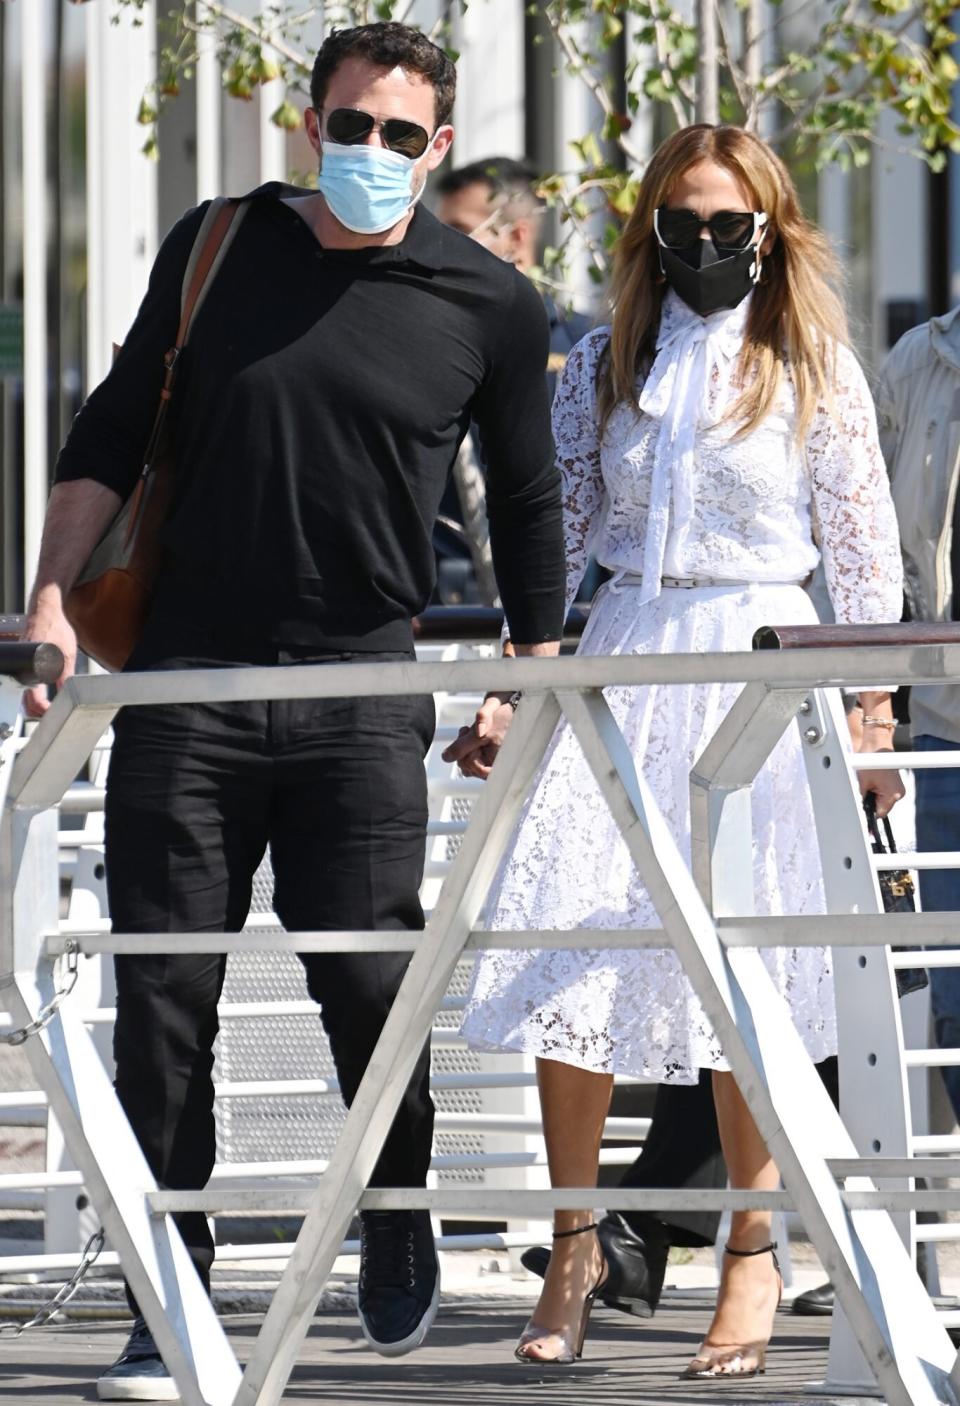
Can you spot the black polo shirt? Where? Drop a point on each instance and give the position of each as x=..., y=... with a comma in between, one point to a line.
x=318, y=410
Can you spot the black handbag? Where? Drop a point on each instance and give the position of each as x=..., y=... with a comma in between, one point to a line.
x=896, y=890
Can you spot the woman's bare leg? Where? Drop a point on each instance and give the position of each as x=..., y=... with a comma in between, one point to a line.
x=574, y=1104
x=749, y=1288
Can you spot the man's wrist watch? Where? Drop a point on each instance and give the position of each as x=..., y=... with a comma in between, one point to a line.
x=512, y=701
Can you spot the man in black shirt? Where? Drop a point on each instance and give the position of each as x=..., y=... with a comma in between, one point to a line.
x=341, y=352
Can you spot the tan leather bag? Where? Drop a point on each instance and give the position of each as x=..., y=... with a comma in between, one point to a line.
x=109, y=603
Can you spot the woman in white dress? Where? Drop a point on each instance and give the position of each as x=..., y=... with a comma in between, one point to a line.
x=714, y=442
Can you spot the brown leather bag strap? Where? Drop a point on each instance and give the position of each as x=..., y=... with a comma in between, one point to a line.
x=221, y=220
x=213, y=239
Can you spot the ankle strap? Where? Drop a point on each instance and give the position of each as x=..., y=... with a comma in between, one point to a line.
x=581, y=1230
x=745, y=1254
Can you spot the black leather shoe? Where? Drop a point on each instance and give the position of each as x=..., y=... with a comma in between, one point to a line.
x=138, y=1373
x=815, y=1303
x=636, y=1266
x=399, y=1280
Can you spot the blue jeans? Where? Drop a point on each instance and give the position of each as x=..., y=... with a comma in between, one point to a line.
x=938, y=828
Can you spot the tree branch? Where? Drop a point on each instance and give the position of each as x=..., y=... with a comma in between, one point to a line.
x=586, y=238
x=752, y=61
x=579, y=65
x=809, y=104
x=218, y=11
x=745, y=97
x=681, y=115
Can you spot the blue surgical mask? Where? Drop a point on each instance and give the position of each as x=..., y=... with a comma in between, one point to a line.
x=368, y=188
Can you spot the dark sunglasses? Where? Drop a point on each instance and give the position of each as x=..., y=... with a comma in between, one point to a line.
x=729, y=229
x=350, y=125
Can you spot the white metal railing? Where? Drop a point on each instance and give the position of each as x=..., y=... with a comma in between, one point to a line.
x=904, y=1345
x=489, y=1122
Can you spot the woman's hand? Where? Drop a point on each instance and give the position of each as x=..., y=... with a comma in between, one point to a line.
x=476, y=747
x=887, y=786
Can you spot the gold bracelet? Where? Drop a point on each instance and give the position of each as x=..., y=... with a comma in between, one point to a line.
x=871, y=720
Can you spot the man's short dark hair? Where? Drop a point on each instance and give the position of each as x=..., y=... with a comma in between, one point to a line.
x=386, y=45
x=514, y=181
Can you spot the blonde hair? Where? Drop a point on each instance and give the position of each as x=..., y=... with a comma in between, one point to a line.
x=796, y=314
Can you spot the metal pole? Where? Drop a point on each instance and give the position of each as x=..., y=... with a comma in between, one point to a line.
x=273, y=139
x=208, y=114
x=33, y=118
x=96, y=362
x=708, y=87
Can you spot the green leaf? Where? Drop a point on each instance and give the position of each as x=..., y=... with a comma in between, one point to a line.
x=286, y=117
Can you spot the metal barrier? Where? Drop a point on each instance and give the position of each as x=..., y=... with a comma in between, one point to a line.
x=274, y=1078
x=705, y=918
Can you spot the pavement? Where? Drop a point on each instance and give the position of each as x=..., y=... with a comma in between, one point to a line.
x=466, y=1361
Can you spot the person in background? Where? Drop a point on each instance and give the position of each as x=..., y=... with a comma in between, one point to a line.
x=918, y=409
x=495, y=202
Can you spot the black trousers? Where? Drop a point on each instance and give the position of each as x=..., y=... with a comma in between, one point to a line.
x=683, y=1149
x=195, y=794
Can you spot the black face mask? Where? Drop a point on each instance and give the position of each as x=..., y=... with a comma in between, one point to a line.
x=707, y=280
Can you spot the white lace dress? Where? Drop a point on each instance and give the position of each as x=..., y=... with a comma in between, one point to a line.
x=670, y=492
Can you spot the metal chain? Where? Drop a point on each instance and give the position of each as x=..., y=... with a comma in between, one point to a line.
x=69, y=965
x=46, y=1013
x=64, y=1294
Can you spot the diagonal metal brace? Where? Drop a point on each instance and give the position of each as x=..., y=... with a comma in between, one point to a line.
x=895, y=1323
x=391, y=1064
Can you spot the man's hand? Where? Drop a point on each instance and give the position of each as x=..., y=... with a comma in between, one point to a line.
x=477, y=746
x=47, y=624
x=78, y=514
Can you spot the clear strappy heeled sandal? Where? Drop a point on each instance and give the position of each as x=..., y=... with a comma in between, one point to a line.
x=736, y=1359
x=570, y=1351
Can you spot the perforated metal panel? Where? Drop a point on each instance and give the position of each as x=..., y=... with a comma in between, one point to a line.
x=458, y=1100
x=459, y=809
x=292, y=1127
x=295, y=1047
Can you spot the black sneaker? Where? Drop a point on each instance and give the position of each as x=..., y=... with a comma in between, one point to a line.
x=399, y=1280
x=138, y=1373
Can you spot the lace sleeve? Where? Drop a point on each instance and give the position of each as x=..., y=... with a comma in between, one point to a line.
x=859, y=537
x=578, y=455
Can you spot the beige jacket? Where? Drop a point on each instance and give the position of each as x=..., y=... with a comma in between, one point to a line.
x=918, y=409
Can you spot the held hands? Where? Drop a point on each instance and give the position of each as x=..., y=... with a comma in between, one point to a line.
x=476, y=747
x=47, y=624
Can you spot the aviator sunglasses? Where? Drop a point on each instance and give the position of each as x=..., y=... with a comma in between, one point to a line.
x=729, y=229
x=348, y=126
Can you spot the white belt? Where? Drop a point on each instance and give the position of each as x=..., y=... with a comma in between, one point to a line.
x=687, y=583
